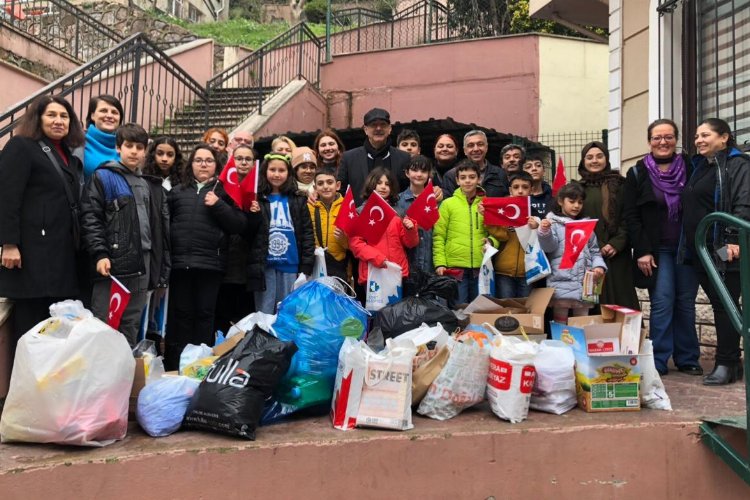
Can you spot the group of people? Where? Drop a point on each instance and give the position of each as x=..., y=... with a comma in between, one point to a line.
x=80, y=206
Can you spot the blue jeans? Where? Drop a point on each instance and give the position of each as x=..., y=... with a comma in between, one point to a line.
x=508, y=287
x=468, y=287
x=278, y=286
x=672, y=323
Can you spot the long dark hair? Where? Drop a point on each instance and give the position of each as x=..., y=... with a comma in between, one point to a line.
x=109, y=99
x=372, y=182
x=329, y=132
x=150, y=168
x=30, y=124
x=720, y=127
x=290, y=184
x=188, y=178
x=572, y=191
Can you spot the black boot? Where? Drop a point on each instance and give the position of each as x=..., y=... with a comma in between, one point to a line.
x=723, y=375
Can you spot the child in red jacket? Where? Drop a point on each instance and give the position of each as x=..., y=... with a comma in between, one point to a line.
x=399, y=233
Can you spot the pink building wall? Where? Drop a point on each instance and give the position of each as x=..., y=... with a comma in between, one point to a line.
x=305, y=111
x=17, y=85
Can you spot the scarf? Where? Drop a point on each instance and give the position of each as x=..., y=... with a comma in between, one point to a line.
x=378, y=157
x=100, y=148
x=610, y=183
x=671, y=182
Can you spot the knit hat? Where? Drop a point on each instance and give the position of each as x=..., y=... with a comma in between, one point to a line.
x=303, y=155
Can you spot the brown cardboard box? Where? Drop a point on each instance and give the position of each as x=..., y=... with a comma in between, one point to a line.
x=228, y=344
x=529, y=311
x=139, y=382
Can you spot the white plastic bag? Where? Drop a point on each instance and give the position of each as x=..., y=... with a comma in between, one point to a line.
x=350, y=376
x=487, y=271
x=163, y=403
x=425, y=334
x=461, y=383
x=192, y=353
x=246, y=324
x=383, y=286
x=511, y=377
x=555, y=386
x=71, y=382
x=319, y=267
x=301, y=280
x=536, y=262
x=653, y=393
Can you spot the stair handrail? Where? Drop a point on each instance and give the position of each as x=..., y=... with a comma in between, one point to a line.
x=90, y=35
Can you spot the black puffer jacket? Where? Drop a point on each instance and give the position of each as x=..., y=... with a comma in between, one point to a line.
x=200, y=234
x=303, y=233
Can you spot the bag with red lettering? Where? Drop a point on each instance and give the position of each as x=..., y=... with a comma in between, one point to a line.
x=462, y=381
x=511, y=377
x=350, y=377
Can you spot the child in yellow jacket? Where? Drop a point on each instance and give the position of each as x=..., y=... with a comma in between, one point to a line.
x=323, y=215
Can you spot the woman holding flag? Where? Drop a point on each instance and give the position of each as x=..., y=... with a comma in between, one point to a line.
x=202, y=216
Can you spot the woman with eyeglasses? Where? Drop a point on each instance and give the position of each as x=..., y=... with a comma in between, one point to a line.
x=202, y=216
x=653, y=213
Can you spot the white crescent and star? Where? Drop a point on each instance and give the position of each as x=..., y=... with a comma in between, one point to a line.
x=116, y=297
x=575, y=241
x=377, y=209
x=516, y=207
x=232, y=171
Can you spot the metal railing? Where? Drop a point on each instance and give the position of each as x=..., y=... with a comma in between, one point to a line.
x=61, y=26
x=294, y=54
x=151, y=87
x=740, y=321
x=568, y=145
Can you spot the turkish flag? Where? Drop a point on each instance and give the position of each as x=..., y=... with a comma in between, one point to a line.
x=249, y=187
x=374, y=218
x=119, y=296
x=424, y=210
x=230, y=181
x=510, y=211
x=560, y=179
x=577, y=234
x=348, y=213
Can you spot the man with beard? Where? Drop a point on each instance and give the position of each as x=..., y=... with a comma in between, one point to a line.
x=492, y=178
x=512, y=157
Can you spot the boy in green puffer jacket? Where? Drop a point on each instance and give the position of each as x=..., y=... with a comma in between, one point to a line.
x=459, y=235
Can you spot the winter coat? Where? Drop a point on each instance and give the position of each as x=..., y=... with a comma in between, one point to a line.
x=119, y=211
x=355, y=167
x=389, y=247
x=568, y=283
x=420, y=257
x=458, y=236
x=731, y=195
x=35, y=215
x=303, y=234
x=494, y=181
x=200, y=234
x=511, y=259
x=324, y=229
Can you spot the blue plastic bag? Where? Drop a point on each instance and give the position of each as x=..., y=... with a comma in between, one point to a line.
x=162, y=404
x=317, y=318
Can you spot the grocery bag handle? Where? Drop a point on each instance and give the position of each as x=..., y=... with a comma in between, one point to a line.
x=369, y=355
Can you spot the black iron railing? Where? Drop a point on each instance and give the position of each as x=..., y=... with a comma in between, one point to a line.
x=61, y=26
x=151, y=87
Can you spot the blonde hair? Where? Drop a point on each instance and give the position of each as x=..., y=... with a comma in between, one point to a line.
x=282, y=138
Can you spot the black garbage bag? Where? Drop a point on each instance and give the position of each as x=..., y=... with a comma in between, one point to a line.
x=422, y=284
x=410, y=313
x=230, y=399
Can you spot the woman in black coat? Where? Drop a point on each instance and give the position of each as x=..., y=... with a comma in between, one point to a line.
x=202, y=216
x=39, y=196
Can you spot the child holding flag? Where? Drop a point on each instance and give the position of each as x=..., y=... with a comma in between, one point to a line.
x=285, y=245
x=571, y=246
x=324, y=213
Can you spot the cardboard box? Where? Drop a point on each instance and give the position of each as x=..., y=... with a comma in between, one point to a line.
x=606, y=378
x=529, y=311
x=139, y=382
x=228, y=344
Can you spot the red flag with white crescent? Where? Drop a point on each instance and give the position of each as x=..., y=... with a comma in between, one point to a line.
x=577, y=234
x=249, y=186
x=347, y=214
x=119, y=296
x=424, y=210
x=509, y=211
x=230, y=180
x=374, y=218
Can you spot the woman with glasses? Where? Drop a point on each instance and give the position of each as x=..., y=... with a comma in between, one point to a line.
x=653, y=215
x=202, y=216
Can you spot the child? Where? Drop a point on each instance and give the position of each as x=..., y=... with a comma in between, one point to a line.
x=510, y=262
x=323, y=214
x=125, y=223
x=459, y=235
x=541, y=192
x=304, y=163
x=409, y=142
x=285, y=245
x=164, y=160
x=568, y=283
x=398, y=234
x=418, y=171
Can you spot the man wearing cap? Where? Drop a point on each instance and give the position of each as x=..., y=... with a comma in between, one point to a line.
x=304, y=162
x=376, y=151
x=492, y=178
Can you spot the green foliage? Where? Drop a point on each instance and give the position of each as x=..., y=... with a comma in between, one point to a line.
x=315, y=11
x=245, y=32
x=247, y=9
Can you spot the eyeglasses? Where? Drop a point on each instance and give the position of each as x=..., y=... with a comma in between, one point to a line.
x=243, y=159
x=666, y=138
x=203, y=161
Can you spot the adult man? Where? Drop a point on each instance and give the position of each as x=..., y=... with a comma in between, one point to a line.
x=492, y=178
x=243, y=137
x=376, y=151
x=512, y=157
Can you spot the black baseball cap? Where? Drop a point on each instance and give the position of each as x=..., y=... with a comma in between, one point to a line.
x=377, y=114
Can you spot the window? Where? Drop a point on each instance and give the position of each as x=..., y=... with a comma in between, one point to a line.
x=194, y=15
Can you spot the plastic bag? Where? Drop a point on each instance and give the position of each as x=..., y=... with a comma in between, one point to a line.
x=461, y=383
x=199, y=369
x=653, y=393
x=71, y=382
x=425, y=334
x=162, y=404
x=350, y=376
x=230, y=398
x=487, y=271
x=383, y=286
x=511, y=377
x=537, y=264
x=319, y=267
x=317, y=318
x=426, y=285
x=410, y=313
x=555, y=386
x=192, y=353
x=425, y=374
x=263, y=320
x=301, y=280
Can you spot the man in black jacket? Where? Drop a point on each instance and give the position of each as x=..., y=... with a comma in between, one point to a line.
x=491, y=177
x=376, y=151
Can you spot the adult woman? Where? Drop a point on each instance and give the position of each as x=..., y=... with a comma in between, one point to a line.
x=218, y=140
x=283, y=145
x=653, y=215
x=329, y=148
x=445, y=153
x=603, y=201
x=104, y=115
x=201, y=218
x=39, y=197
x=720, y=182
